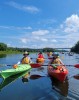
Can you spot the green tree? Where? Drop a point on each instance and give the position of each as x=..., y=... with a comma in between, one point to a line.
x=75, y=48
x=3, y=47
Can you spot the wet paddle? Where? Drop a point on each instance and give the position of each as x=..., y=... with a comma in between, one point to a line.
x=44, y=58
x=33, y=65
x=39, y=65
x=33, y=77
x=77, y=65
x=36, y=65
x=76, y=76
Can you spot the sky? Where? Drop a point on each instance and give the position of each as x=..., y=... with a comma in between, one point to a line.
x=39, y=23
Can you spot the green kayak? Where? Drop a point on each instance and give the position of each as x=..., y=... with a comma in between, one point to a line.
x=9, y=72
x=11, y=79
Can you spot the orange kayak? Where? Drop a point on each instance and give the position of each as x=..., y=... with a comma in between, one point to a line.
x=40, y=60
x=60, y=72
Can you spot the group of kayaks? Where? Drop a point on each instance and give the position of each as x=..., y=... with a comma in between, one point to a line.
x=60, y=72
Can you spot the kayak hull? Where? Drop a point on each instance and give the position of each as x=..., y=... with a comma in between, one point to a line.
x=9, y=80
x=9, y=72
x=60, y=73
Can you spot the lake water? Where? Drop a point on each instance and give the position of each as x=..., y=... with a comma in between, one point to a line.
x=38, y=85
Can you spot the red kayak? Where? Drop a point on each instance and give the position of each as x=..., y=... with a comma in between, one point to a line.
x=60, y=72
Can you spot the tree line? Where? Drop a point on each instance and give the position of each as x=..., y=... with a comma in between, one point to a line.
x=75, y=48
x=3, y=47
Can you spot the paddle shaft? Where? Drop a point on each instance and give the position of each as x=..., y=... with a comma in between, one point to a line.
x=76, y=65
x=33, y=65
x=57, y=65
x=36, y=65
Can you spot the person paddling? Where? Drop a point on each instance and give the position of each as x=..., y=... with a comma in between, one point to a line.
x=55, y=60
x=25, y=60
x=40, y=58
x=40, y=55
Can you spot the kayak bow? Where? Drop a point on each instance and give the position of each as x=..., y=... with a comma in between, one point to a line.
x=60, y=72
x=9, y=72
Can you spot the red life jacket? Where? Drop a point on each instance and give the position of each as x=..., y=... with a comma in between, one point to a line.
x=40, y=56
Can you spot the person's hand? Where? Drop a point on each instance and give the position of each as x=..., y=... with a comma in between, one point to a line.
x=15, y=66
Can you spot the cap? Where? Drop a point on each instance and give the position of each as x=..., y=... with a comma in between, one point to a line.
x=25, y=53
x=56, y=55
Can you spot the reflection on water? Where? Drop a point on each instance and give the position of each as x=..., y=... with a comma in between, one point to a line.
x=25, y=77
x=9, y=80
x=2, y=55
x=76, y=76
x=24, y=80
x=38, y=86
x=33, y=77
x=61, y=87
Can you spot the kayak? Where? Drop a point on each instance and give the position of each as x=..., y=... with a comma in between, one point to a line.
x=60, y=72
x=9, y=72
x=9, y=80
x=40, y=60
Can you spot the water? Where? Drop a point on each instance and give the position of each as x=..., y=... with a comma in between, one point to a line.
x=38, y=85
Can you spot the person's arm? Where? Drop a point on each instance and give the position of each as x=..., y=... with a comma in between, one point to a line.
x=30, y=60
x=61, y=62
x=19, y=62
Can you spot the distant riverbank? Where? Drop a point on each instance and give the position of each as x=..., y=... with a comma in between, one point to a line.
x=9, y=52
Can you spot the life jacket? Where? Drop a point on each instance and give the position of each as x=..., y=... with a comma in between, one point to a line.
x=25, y=60
x=40, y=56
x=56, y=61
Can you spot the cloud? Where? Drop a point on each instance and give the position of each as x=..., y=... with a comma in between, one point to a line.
x=16, y=28
x=9, y=45
x=24, y=40
x=43, y=39
x=31, y=9
x=72, y=24
x=54, y=40
x=40, y=32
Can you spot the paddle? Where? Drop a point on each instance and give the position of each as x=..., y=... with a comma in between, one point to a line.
x=76, y=76
x=44, y=58
x=33, y=77
x=33, y=65
x=39, y=65
x=77, y=65
x=36, y=65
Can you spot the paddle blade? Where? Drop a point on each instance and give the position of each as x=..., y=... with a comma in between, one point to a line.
x=35, y=77
x=35, y=65
x=77, y=65
x=50, y=58
x=76, y=76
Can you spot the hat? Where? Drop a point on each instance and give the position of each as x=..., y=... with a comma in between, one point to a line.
x=25, y=53
x=40, y=52
x=56, y=55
